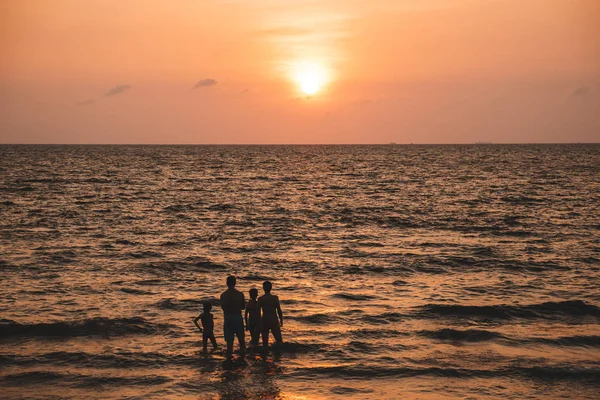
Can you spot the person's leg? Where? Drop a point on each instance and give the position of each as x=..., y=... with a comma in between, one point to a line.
x=265, y=337
x=255, y=335
x=204, y=343
x=241, y=340
x=240, y=332
x=213, y=340
x=276, y=329
x=228, y=334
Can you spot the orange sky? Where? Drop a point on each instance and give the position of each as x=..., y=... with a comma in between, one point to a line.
x=207, y=71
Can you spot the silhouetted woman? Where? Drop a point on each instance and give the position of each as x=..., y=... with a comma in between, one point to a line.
x=268, y=311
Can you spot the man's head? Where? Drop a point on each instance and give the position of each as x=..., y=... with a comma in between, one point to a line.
x=231, y=281
x=253, y=293
x=267, y=286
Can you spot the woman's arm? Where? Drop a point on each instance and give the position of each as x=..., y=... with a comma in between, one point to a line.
x=279, y=313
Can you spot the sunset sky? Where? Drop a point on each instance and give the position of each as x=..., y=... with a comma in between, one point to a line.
x=299, y=71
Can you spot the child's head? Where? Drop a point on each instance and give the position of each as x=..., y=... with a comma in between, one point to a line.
x=267, y=286
x=253, y=293
x=207, y=306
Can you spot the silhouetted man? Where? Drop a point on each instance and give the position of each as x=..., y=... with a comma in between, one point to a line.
x=268, y=310
x=233, y=303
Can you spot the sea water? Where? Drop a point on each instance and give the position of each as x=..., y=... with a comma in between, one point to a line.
x=403, y=271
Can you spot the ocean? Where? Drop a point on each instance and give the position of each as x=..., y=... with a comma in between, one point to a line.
x=404, y=271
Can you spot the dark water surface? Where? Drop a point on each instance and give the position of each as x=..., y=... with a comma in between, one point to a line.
x=405, y=271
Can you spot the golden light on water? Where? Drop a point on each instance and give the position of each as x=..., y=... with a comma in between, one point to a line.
x=310, y=77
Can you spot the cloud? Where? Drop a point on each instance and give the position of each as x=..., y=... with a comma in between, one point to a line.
x=581, y=91
x=119, y=89
x=205, y=83
x=88, y=102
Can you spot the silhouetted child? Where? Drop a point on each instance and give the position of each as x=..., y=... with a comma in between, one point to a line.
x=208, y=325
x=252, y=318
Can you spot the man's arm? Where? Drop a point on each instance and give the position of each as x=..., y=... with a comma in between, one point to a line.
x=222, y=301
x=259, y=309
x=279, y=313
x=246, y=317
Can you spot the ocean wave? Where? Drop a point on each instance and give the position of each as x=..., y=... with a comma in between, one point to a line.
x=548, y=310
x=220, y=207
x=256, y=277
x=469, y=335
x=302, y=348
x=568, y=372
x=320, y=318
x=120, y=359
x=349, y=391
x=375, y=333
x=177, y=208
x=126, y=242
x=356, y=346
x=370, y=372
x=135, y=291
x=190, y=265
x=376, y=269
x=79, y=380
x=145, y=254
x=353, y=297
x=383, y=318
x=575, y=341
x=186, y=304
x=104, y=327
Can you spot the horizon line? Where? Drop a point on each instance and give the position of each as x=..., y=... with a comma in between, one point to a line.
x=297, y=144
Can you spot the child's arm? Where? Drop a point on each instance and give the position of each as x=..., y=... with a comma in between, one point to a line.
x=196, y=322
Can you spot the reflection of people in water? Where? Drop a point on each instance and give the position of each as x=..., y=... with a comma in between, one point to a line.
x=252, y=318
x=208, y=325
x=232, y=303
x=268, y=311
x=252, y=378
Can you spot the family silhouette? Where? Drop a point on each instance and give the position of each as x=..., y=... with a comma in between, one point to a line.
x=262, y=315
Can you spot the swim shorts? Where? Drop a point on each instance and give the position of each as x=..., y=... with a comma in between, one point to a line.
x=272, y=324
x=232, y=326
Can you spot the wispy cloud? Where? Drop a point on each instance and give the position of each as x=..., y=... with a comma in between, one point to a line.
x=581, y=91
x=205, y=83
x=119, y=89
x=88, y=102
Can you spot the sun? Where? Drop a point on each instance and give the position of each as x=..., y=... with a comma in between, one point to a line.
x=310, y=77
